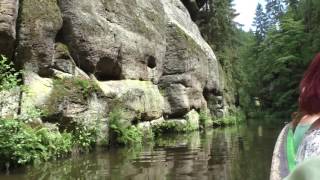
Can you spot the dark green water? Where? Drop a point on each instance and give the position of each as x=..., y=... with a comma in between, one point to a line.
x=234, y=153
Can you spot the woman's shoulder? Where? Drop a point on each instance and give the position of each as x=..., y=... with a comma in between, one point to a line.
x=310, y=145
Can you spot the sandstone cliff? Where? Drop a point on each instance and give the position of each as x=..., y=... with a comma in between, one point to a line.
x=147, y=56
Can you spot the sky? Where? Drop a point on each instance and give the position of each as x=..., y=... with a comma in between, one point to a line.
x=247, y=9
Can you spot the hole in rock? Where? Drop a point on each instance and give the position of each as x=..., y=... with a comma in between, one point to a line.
x=108, y=69
x=152, y=62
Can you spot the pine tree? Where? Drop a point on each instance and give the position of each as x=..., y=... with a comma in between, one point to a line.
x=260, y=23
x=274, y=10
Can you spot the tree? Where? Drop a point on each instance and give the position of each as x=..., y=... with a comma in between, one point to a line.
x=274, y=10
x=260, y=23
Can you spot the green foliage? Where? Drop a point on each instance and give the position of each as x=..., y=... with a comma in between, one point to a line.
x=233, y=118
x=9, y=77
x=21, y=144
x=31, y=114
x=273, y=67
x=120, y=131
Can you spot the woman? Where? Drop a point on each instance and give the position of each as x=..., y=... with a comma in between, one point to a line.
x=300, y=139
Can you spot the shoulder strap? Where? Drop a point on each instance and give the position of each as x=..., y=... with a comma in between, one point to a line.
x=290, y=150
x=315, y=124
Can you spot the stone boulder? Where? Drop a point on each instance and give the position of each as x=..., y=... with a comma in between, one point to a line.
x=8, y=18
x=140, y=100
x=116, y=39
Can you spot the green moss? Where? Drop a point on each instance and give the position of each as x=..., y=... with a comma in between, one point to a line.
x=71, y=89
x=60, y=47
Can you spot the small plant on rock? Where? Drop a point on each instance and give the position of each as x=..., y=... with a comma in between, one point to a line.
x=9, y=77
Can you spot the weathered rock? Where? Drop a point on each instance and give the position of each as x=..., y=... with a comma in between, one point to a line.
x=8, y=18
x=116, y=39
x=140, y=99
x=39, y=23
x=9, y=103
x=62, y=59
x=177, y=100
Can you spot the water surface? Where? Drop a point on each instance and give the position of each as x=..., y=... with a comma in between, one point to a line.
x=233, y=153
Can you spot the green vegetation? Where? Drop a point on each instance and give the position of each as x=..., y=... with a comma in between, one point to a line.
x=84, y=137
x=9, y=77
x=205, y=120
x=237, y=117
x=21, y=144
x=263, y=67
x=172, y=126
x=71, y=89
x=276, y=54
x=121, y=131
x=83, y=87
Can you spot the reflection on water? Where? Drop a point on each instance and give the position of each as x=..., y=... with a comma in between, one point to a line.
x=234, y=153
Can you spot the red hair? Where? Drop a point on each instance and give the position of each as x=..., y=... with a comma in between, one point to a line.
x=309, y=99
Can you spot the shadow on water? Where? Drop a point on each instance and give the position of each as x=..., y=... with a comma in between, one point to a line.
x=233, y=153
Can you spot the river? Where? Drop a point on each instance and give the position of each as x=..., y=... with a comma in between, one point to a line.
x=232, y=153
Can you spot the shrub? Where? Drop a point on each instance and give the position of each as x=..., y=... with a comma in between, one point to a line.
x=9, y=77
x=120, y=132
x=20, y=144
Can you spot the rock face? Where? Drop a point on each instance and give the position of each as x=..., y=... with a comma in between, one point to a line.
x=8, y=18
x=190, y=65
x=148, y=57
x=115, y=39
x=39, y=24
